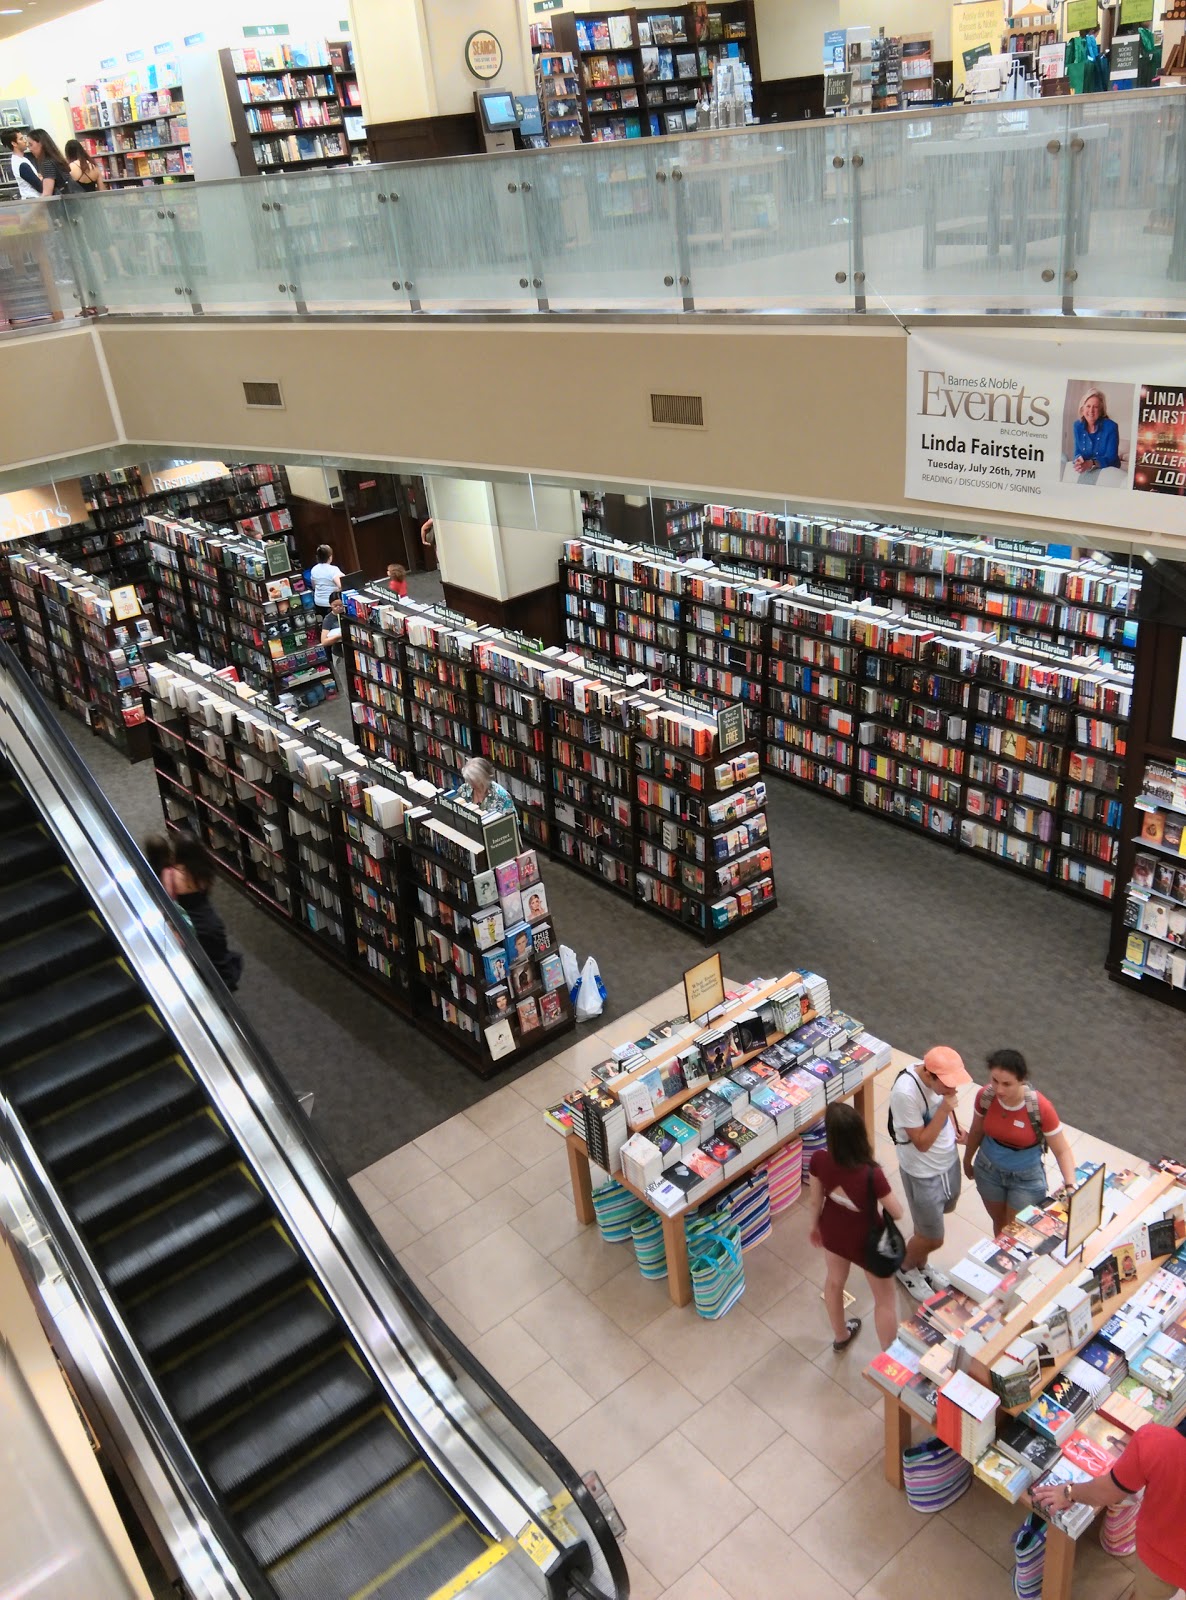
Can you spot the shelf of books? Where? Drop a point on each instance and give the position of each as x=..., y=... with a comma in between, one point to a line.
x=605, y=47
x=285, y=106
x=1153, y=927
x=384, y=876
x=11, y=632
x=134, y=126
x=558, y=84
x=511, y=710
x=1036, y=1368
x=1016, y=588
x=725, y=638
x=85, y=646
x=684, y=1117
x=345, y=72
x=438, y=662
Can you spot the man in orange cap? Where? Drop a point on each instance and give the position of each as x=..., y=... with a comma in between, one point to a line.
x=925, y=1130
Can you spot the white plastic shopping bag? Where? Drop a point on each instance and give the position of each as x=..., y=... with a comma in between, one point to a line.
x=572, y=971
x=590, y=996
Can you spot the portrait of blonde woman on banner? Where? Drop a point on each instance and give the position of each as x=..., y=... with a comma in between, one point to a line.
x=1096, y=433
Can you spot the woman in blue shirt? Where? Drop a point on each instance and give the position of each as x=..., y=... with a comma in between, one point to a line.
x=1097, y=438
x=479, y=788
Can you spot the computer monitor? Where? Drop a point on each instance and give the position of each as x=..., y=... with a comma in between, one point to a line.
x=353, y=580
x=498, y=111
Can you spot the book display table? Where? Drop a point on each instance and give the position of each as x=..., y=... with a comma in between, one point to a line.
x=1061, y=1545
x=674, y=1236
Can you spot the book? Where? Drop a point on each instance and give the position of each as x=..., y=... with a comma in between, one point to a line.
x=551, y=971
x=522, y=977
x=542, y=938
x=1096, y=1445
x=535, y=903
x=485, y=888
x=494, y=965
x=511, y=904
x=1047, y=1417
x=498, y=1001
x=1008, y=1477
x=528, y=869
x=488, y=930
x=1018, y=1440
x=894, y=1367
x=506, y=876
x=551, y=1009
x=500, y=1039
x=516, y=939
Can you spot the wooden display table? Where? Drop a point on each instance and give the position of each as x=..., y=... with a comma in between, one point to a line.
x=1060, y=1546
x=675, y=1242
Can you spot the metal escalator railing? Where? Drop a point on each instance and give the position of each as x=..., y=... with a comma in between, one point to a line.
x=300, y=1423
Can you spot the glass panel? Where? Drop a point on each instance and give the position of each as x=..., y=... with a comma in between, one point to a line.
x=125, y=243
x=962, y=211
x=602, y=227
x=232, y=239
x=764, y=217
x=462, y=234
x=1129, y=186
x=340, y=232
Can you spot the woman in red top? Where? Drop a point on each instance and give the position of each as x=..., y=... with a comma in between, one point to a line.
x=842, y=1216
x=1004, y=1155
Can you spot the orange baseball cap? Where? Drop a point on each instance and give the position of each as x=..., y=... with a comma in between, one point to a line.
x=947, y=1065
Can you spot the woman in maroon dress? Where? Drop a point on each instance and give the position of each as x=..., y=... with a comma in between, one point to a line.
x=842, y=1214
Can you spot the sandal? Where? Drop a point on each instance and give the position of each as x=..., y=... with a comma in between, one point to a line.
x=854, y=1327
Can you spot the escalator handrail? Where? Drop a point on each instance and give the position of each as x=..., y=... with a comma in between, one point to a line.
x=344, y=1197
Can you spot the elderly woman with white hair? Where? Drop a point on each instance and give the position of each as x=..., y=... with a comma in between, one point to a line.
x=479, y=788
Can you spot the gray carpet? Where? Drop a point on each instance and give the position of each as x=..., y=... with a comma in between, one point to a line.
x=923, y=944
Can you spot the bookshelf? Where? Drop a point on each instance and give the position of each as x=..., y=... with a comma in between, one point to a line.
x=512, y=714
x=11, y=632
x=558, y=85
x=85, y=657
x=285, y=107
x=275, y=629
x=438, y=661
x=605, y=48
x=134, y=126
x=918, y=69
x=592, y=777
x=367, y=863
x=345, y=76
x=864, y=680
x=1149, y=945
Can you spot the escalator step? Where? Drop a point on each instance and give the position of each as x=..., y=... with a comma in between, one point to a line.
x=68, y=1008
x=37, y=902
x=248, y=1358
x=317, y=1492
x=26, y=851
x=29, y=964
x=15, y=806
x=432, y=1546
x=182, y=1312
x=119, y=1117
x=105, y=1195
x=82, y=1066
x=288, y=1423
x=191, y=1227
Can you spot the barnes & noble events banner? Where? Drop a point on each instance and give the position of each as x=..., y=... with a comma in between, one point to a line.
x=1091, y=428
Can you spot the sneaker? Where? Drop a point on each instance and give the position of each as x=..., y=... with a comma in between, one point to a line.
x=937, y=1280
x=915, y=1284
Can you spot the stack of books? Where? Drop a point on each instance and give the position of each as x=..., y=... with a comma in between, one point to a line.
x=965, y=1416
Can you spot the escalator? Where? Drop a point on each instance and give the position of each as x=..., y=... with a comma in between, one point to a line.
x=329, y=1486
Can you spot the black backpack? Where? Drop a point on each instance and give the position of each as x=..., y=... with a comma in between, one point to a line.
x=889, y=1116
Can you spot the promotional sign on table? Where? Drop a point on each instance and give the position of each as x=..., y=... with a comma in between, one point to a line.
x=1081, y=15
x=991, y=423
x=973, y=27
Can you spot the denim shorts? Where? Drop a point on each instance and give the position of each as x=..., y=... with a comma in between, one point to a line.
x=1016, y=1190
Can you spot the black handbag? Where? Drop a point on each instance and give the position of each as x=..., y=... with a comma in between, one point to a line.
x=885, y=1248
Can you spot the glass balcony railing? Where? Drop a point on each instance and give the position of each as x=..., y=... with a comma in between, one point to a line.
x=1046, y=207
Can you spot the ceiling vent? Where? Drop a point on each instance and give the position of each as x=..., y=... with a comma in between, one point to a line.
x=677, y=410
x=263, y=394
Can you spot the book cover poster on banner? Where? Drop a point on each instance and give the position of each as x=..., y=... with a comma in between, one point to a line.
x=1092, y=429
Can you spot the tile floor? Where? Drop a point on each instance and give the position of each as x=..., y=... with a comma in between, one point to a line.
x=743, y=1455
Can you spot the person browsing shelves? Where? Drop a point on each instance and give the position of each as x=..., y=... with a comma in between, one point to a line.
x=1011, y=1128
x=331, y=631
x=1097, y=438
x=324, y=577
x=479, y=788
x=923, y=1125
x=25, y=171
x=397, y=579
x=1155, y=1461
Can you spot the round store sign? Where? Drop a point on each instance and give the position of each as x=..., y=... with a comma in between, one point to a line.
x=483, y=54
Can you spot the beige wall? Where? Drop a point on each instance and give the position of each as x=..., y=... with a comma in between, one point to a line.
x=56, y=404
x=394, y=77
x=450, y=23
x=810, y=414
x=463, y=522
x=533, y=523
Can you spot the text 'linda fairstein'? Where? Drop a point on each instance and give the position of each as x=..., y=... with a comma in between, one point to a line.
x=956, y=446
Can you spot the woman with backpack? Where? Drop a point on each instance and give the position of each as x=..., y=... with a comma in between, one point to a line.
x=848, y=1192
x=1011, y=1130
